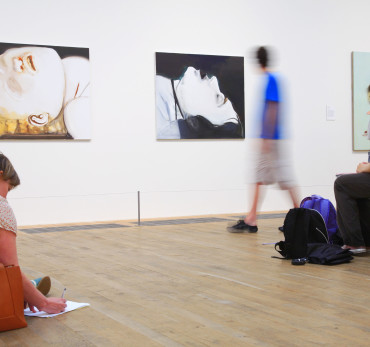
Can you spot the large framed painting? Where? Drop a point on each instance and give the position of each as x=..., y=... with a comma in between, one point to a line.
x=199, y=96
x=44, y=92
x=361, y=100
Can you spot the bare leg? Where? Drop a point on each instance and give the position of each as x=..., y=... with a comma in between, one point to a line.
x=251, y=218
x=294, y=196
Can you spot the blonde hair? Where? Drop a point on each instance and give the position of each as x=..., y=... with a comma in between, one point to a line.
x=9, y=173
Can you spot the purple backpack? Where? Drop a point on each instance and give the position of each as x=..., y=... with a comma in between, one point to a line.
x=327, y=211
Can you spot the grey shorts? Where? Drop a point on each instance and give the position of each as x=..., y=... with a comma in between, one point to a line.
x=274, y=167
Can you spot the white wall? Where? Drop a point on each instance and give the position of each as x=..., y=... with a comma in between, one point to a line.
x=98, y=180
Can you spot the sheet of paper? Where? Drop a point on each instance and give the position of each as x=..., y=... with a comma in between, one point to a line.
x=70, y=307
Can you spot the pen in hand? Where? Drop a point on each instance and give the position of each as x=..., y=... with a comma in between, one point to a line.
x=64, y=290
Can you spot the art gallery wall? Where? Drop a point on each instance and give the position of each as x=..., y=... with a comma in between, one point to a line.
x=98, y=180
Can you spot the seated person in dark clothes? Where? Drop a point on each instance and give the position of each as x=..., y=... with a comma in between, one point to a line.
x=352, y=194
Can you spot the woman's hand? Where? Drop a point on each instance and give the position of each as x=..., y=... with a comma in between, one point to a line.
x=51, y=305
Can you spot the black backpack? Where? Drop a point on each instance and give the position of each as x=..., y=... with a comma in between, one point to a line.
x=306, y=239
x=301, y=226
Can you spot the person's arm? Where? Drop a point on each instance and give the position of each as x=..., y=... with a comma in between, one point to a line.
x=270, y=124
x=272, y=97
x=363, y=167
x=271, y=118
x=8, y=256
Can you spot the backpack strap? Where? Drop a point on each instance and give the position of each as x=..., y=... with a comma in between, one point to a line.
x=275, y=257
x=315, y=196
x=304, y=234
x=324, y=209
x=296, y=245
x=310, y=201
x=321, y=205
x=282, y=249
x=307, y=202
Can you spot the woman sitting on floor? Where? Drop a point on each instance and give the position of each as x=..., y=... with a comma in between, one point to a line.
x=8, y=252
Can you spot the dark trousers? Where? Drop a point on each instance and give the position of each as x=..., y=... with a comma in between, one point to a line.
x=352, y=193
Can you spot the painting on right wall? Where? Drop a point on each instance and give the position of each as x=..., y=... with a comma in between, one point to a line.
x=361, y=100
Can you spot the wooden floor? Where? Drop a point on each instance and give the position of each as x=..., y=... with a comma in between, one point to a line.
x=191, y=285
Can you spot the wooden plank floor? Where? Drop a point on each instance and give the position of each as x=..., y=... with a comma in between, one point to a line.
x=191, y=285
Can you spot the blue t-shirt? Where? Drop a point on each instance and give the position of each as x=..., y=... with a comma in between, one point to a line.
x=271, y=94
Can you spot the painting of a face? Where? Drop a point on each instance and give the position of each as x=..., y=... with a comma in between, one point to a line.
x=37, y=83
x=200, y=95
x=31, y=82
x=206, y=99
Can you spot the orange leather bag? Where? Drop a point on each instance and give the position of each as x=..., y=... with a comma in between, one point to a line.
x=11, y=298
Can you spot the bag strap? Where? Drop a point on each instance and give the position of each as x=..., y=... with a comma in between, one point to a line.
x=306, y=201
x=274, y=256
x=282, y=249
x=315, y=196
x=310, y=201
x=307, y=220
x=325, y=207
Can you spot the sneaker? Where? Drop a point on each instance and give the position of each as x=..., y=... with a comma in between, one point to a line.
x=355, y=250
x=241, y=226
x=43, y=284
